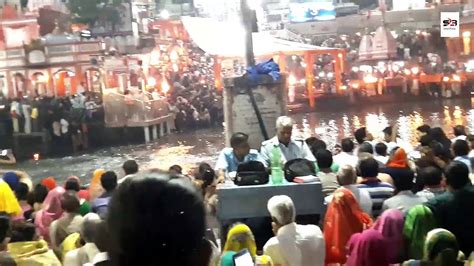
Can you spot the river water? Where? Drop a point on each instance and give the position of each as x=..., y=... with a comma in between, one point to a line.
x=189, y=149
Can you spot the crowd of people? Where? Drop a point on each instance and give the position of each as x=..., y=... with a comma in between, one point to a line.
x=383, y=207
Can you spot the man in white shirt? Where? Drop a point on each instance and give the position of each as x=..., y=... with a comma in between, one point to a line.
x=405, y=199
x=460, y=149
x=459, y=132
x=293, y=244
x=347, y=155
x=130, y=168
x=290, y=148
x=381, y=153
x=347, y=177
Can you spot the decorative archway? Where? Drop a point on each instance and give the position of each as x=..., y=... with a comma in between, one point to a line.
x=19, y=85
x=93, y=79
x=40, y=84
x=65, y=82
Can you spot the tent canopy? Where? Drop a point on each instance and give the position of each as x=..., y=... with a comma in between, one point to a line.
x=227, y=39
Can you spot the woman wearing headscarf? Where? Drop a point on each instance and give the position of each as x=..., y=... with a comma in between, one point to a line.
x=398, y=165
x=419, y=221
x=368, y=248
x=344, y=218
x=440, y=249
x=240, y=237
x=50, y=212
x=49, y=182
x=95, y=188
x=390, y=225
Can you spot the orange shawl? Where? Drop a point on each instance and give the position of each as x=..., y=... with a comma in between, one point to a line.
x=399, y=159
x=95, y=187
x=344, y=218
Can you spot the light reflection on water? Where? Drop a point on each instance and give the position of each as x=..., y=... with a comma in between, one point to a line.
x=189, y=149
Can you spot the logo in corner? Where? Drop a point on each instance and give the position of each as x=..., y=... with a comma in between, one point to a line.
x=449, y=24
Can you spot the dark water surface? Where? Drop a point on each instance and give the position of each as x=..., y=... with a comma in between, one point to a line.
x=189, y=149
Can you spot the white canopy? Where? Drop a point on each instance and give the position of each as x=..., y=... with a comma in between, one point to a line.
x=227, y=39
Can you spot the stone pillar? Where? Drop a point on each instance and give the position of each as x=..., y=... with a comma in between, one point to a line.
x=146, y=129
x=27, y=114
x=155, y=131
x=239, y=115
x=162, y=129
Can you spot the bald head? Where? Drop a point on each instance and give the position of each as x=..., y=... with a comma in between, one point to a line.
x=346, y=175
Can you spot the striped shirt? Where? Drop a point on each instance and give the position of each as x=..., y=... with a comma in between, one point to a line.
x=379, y=191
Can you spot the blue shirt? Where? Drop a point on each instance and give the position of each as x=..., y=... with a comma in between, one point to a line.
x=228, y=161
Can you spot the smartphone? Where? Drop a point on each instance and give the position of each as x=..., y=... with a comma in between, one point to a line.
x=4, y=153
x=243, y=258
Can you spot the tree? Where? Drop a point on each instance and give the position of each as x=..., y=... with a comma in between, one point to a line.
x=84, y=11
x=23, y=3
x=110, y=15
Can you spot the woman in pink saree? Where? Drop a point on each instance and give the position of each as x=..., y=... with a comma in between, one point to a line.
x=50, y=212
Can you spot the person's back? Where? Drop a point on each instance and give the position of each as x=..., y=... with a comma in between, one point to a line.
x=454, y=210
x=307, y=240
x=326, y=176
x=69, y=223
x=101, y=204
x=347, y=155
x=379, y=191
x=293, y=244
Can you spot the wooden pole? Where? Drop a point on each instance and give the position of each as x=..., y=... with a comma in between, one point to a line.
x=309, y=59
x=247, y=23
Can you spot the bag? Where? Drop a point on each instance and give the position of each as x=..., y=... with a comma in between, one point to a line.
x=251, y=173
x=298, y=167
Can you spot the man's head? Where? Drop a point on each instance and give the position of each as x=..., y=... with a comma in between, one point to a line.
x=369, y=168
x=72, y=185
x=89, y=227
x=387, y=134
x=70, y=202
x=284, y=127
x=470, y=140
x=130, y=167
x=175, y=216
x=404, y=180
x=109, y=181
x=23, y=232
x=459, y=130
x=175, y=170
x=324, y=159
x=460, y=148
x=282, y=210
x=381, y=149
x=240, y=144
x=457, y=175
x=430, y=176
x=21, y=191
x=366, y=148
x=346, y=175
x=347, y=145
x=362, y=135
